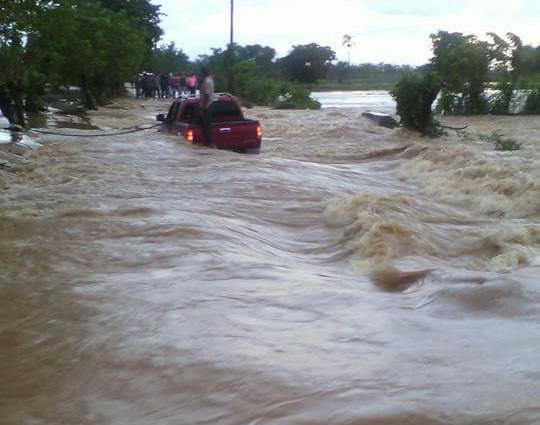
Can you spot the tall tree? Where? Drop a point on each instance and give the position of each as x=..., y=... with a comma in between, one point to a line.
x=169, y=59
x=17, y=29
x=94, y=47
x=307, y=63
x=348, y=42
x=143, y=13
x=462, y=63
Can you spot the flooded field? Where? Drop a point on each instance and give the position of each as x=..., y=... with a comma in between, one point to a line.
x=349, y=274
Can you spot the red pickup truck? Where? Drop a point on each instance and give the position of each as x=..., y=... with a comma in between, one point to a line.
x=230, y=130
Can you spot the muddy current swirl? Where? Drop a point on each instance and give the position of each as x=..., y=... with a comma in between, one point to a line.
x=349, y=274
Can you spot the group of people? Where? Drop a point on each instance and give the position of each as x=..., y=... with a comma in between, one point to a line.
x=164, y=85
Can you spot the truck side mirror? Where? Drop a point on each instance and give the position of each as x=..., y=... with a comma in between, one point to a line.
x=160, y=117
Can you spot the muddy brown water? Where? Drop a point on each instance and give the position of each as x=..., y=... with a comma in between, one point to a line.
x=349, y=274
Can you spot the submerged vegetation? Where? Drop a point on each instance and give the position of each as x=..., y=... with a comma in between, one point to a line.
x=501, y=143
x=532, y=104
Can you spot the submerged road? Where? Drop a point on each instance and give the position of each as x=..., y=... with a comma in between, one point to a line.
x=145, y=281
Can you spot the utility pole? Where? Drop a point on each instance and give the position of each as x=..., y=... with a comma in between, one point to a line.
x=232, y=24
x=229, y=56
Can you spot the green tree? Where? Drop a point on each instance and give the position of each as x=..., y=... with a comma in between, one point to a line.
x=93, y=47
x=17, y=29
x=307, y=63
x=262, y=56
x=97, y=44
x=144, y=16
x=507, y=64
x=169, y=59
x=414, y=95
x=348, y=42
x=462, y=64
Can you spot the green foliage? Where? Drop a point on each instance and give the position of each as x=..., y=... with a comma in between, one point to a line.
x=262, y=57
x=307, y=63
x=169, y=59
x=250, y=74
x=365, y=75
x=17, y=28
x=467, y=65
x=462, y=63
x=96, y=48
x=501, y=143
x=142, y=14
x=507, y=66
x=499, y=103
x=414, y=95
x=97, y=44
x=532, y=104
x=295, y=97
x=33, y=84
x=262, y=91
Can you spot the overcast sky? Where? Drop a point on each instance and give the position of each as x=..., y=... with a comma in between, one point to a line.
x=389, y=31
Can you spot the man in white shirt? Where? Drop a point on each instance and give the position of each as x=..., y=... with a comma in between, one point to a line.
x=207, y=97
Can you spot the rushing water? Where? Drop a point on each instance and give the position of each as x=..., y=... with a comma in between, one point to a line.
x=373, y=100
x=349, y=274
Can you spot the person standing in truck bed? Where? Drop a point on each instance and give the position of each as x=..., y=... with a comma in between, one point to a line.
x=191, y=81
x=207, y=97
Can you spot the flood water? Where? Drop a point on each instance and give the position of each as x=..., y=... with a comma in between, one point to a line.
x=373, y=100
x=349, y=274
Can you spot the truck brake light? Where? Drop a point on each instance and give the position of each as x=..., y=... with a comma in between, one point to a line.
x=259, y=131
x=189, y=135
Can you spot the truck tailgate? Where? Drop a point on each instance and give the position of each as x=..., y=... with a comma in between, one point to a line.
x=236, y=134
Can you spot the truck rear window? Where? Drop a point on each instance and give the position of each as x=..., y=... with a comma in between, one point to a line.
x=225, y=109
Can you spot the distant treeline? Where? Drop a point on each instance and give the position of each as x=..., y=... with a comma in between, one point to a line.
x=255, y=74
x=366, y=76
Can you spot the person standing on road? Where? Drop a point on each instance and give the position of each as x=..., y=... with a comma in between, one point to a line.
x=207, y=97
x=164, y=85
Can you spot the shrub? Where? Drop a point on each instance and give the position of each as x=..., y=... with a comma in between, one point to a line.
x=261, y=91
x=414, y=95
x=499, y=103
x=532, y=104
x=279, y=94
x=295, y=97
x=449, y=103
x=502, y=144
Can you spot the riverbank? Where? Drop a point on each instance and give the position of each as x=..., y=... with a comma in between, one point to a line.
x=16, y=150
